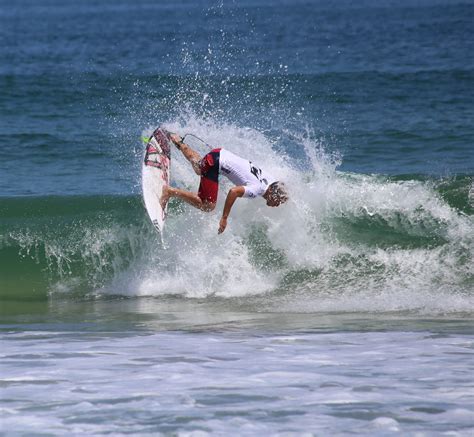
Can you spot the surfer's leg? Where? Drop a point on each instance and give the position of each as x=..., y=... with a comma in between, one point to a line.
x=191, y=155
x=208, y=168
x=187, y=196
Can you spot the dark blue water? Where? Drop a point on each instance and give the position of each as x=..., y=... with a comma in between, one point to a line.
x=386, y=84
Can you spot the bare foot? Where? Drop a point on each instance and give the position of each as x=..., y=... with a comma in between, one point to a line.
x=164, y=197
x=177, y=140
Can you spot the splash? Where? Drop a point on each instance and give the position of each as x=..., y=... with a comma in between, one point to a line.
x=343, y=242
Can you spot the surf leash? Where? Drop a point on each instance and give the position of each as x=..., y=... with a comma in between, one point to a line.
x=145, y=140
x=200, y=139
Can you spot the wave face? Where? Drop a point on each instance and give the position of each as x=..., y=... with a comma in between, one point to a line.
x=344, y=242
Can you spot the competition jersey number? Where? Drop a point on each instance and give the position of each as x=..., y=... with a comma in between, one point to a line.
x=257, y=172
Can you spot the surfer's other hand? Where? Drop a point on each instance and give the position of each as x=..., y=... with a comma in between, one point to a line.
x=222, y=225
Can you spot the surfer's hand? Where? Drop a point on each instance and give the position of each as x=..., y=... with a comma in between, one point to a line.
x=222, y=225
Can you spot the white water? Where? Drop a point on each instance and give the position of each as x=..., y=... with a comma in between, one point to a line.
x=215, y=383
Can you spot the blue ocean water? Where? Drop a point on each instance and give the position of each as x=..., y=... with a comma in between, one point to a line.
x=386, y=84
x=350, y=310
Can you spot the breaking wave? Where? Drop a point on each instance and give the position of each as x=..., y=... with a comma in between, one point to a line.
x=344, y=242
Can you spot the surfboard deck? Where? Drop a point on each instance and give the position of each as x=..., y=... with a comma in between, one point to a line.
x=156, y=174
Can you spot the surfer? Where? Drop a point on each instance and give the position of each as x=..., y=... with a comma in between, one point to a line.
x=249, y=180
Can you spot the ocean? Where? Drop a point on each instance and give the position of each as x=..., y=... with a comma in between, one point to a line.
x=347, y=311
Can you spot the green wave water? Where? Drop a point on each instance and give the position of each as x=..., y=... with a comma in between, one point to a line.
x=48, y=239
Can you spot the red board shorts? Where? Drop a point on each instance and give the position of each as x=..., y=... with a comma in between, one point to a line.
x=209, y=185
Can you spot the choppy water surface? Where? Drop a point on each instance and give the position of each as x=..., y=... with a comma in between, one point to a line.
x=147, y=366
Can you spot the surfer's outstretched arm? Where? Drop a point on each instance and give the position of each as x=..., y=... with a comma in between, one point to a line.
x=229, y=202
x=191, y=155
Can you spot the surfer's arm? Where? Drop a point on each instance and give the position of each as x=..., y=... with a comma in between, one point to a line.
x=229, y=202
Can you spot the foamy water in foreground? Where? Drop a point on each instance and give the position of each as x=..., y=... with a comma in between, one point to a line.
x=143, y=367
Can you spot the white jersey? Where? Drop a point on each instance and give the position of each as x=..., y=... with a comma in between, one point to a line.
x=242, y=172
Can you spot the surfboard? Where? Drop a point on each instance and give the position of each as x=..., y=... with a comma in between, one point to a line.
x=156, y=174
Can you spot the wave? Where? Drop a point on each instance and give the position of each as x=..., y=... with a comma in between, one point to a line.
x=74, y=243
x=345, y=242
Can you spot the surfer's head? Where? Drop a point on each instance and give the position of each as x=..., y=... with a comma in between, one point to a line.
x=276, y=194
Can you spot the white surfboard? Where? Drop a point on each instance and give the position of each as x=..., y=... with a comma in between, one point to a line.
x=155, y=175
